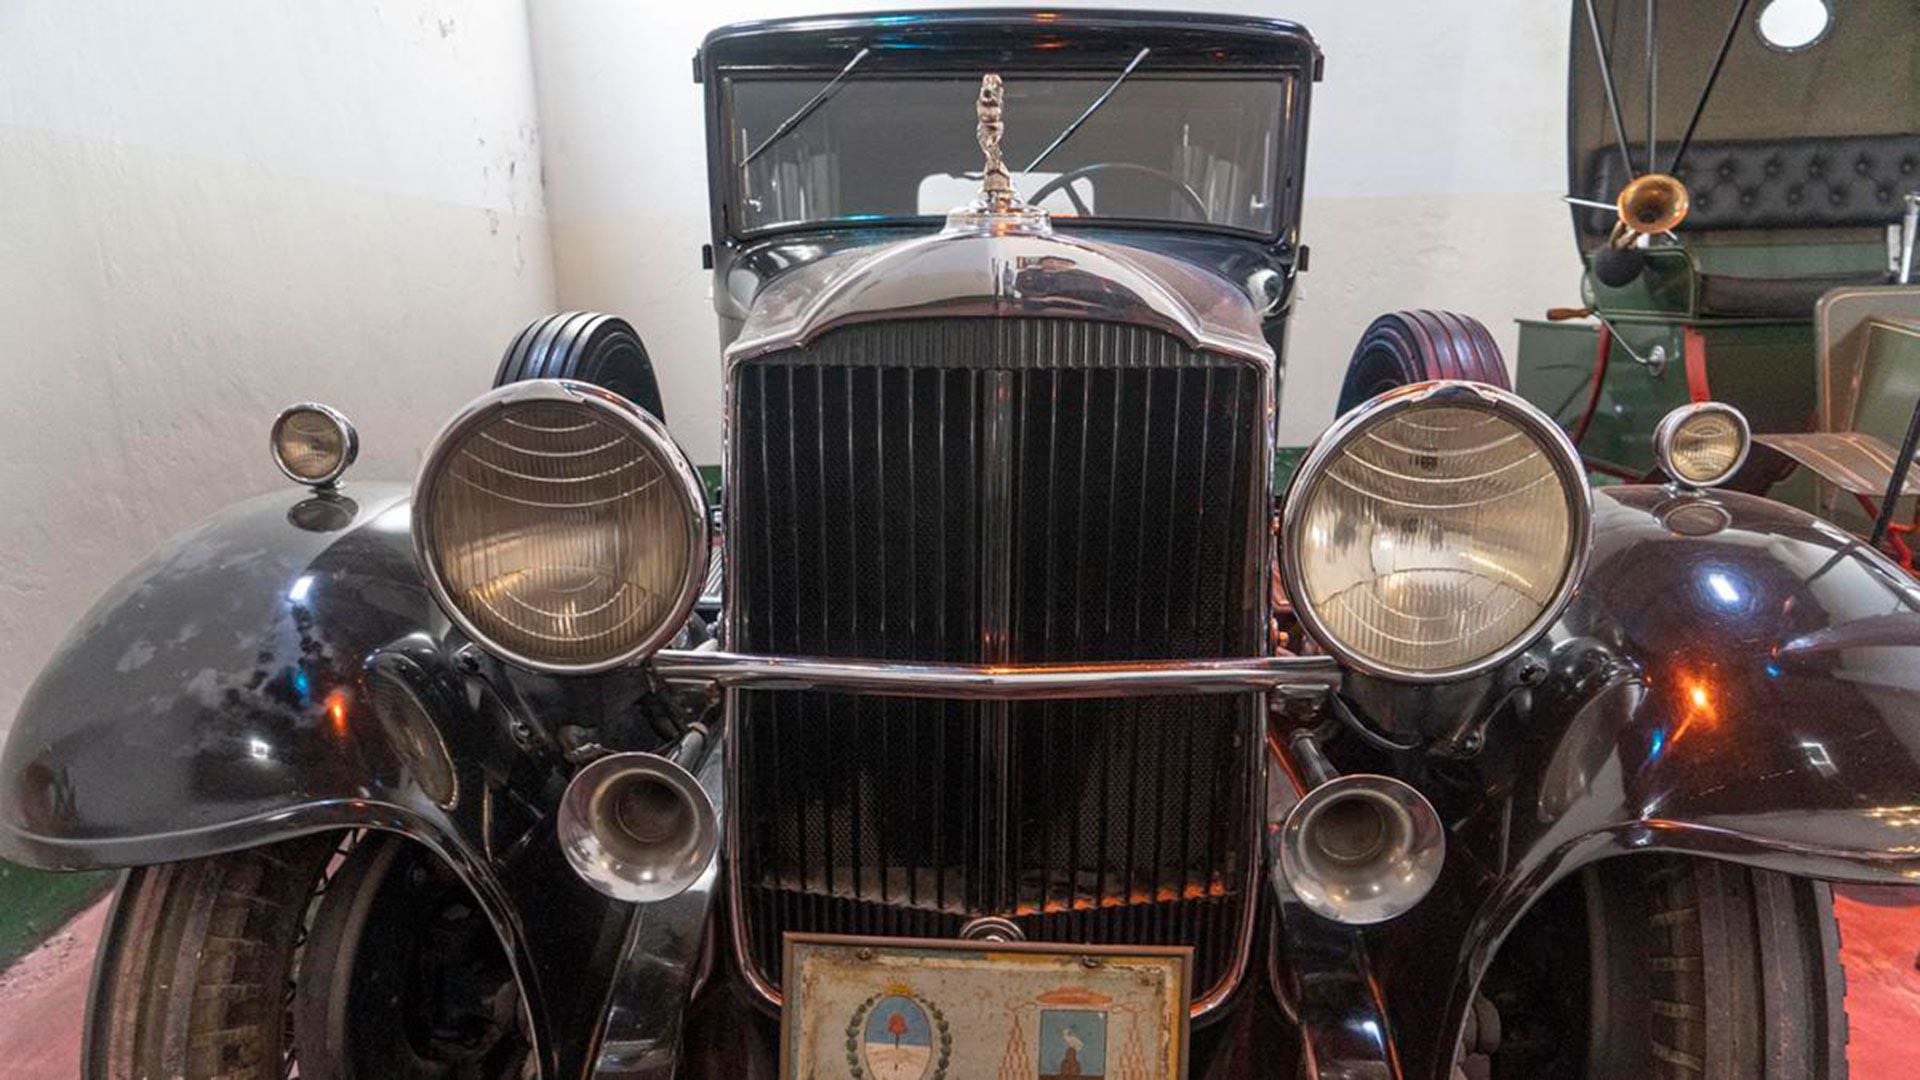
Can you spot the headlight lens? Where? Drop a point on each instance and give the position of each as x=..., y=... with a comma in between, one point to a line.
x=1435, y=531
x=561, y=527
x=1702, y=444
x=313, y=443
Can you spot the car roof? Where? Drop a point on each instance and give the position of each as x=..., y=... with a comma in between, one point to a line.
x=1062, y=38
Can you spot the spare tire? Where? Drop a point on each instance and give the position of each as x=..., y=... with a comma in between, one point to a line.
x=604, y=350
x=1405, y=347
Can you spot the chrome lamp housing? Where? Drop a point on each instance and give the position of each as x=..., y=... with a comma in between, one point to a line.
x=560, y=527
x=1702, y=444
x=1436, y=531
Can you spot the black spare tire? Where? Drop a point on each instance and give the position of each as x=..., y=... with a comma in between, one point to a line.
x=588, y=346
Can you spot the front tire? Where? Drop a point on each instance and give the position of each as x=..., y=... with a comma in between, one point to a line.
x=1673, y=969
x=256, y=964
x=194, y=965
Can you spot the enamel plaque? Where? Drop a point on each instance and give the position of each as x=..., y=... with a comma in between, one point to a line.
x=888, y=1009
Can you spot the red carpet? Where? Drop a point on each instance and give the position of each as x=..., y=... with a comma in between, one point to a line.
x=1879, y=942
x=42, y=997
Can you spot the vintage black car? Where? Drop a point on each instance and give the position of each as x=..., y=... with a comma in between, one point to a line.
x=1011, y=662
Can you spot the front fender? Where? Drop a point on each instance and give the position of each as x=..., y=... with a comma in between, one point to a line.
x=219, y=691
x=1736, y=679
x=282, y=669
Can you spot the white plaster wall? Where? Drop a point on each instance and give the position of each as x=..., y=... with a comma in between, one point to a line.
x=211, y=209
x=1434, y=174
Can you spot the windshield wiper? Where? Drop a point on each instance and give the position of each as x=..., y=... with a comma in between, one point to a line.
x=804, y=111
x=1091, y=109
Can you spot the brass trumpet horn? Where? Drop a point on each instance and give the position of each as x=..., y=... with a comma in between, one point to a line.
x=638, y=827
x=1652, y=204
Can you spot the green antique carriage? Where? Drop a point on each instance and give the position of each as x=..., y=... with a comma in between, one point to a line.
x=1739, y=177
x=1795, y=129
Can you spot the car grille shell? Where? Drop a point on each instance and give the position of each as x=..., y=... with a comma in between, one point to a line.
x=1003, y=491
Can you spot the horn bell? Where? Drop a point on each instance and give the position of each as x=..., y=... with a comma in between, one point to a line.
x=1653, y=204
x=637, y=827
x=1362, y=849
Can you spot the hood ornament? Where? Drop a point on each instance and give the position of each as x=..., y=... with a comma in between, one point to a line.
x=998, y=208
x=996, y=187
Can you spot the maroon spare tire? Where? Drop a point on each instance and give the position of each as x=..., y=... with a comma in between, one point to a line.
x=1404, y=347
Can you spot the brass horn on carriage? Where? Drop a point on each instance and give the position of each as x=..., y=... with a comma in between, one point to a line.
x=638, y=827
x=1648, y=206
x=1652, y=204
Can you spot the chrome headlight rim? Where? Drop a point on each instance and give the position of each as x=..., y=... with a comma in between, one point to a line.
x=642, y=425
x=349, y=441
x=1505, y=404
x=1669, y=427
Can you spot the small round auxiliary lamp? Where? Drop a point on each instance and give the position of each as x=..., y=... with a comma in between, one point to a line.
x=313, y=444
x=1702, y=445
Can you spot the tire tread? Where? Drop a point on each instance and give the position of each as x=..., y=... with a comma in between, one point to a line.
x=193, y=962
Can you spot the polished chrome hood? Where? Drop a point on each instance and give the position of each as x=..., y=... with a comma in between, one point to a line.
x=988, y=263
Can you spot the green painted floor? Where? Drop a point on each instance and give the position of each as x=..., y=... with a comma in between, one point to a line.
x=33, y=904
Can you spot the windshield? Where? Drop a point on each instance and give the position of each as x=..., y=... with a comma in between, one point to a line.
x=1181, y=148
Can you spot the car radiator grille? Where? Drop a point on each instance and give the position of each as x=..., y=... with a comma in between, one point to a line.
x=996, y=491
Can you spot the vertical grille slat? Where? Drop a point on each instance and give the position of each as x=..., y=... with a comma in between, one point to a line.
x=994, y=491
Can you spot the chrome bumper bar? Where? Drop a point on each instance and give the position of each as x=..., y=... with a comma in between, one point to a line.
x=1287, y=675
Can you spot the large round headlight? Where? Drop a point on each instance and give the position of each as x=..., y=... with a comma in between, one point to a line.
x=1435, y=531
x=560, y=526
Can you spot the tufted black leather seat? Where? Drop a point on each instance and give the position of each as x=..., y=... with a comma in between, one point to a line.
x=1823, y=182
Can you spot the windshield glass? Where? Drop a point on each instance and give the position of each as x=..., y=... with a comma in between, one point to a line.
x=1186, y=148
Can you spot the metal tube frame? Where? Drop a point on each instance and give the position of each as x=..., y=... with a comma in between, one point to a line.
x=1606, y=80
x=1706, y=91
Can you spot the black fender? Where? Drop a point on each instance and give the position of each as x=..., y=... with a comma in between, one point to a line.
x=1735, y=679
x=281, y=670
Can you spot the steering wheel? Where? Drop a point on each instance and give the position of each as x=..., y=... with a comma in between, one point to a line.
x=1066, y=180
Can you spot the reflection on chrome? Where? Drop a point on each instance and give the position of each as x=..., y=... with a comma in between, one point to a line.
x=1434, y=530
x=561, y=527
x=1282, y=674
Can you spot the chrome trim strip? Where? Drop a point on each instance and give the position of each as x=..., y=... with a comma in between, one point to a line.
x=743, y=961
x=996, y=625
x=645, y=427
x=1310, y=676
x=1506, y=404
x=1251, y=895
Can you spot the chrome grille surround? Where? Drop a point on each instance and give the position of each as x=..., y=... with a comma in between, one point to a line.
x=1032, y=309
